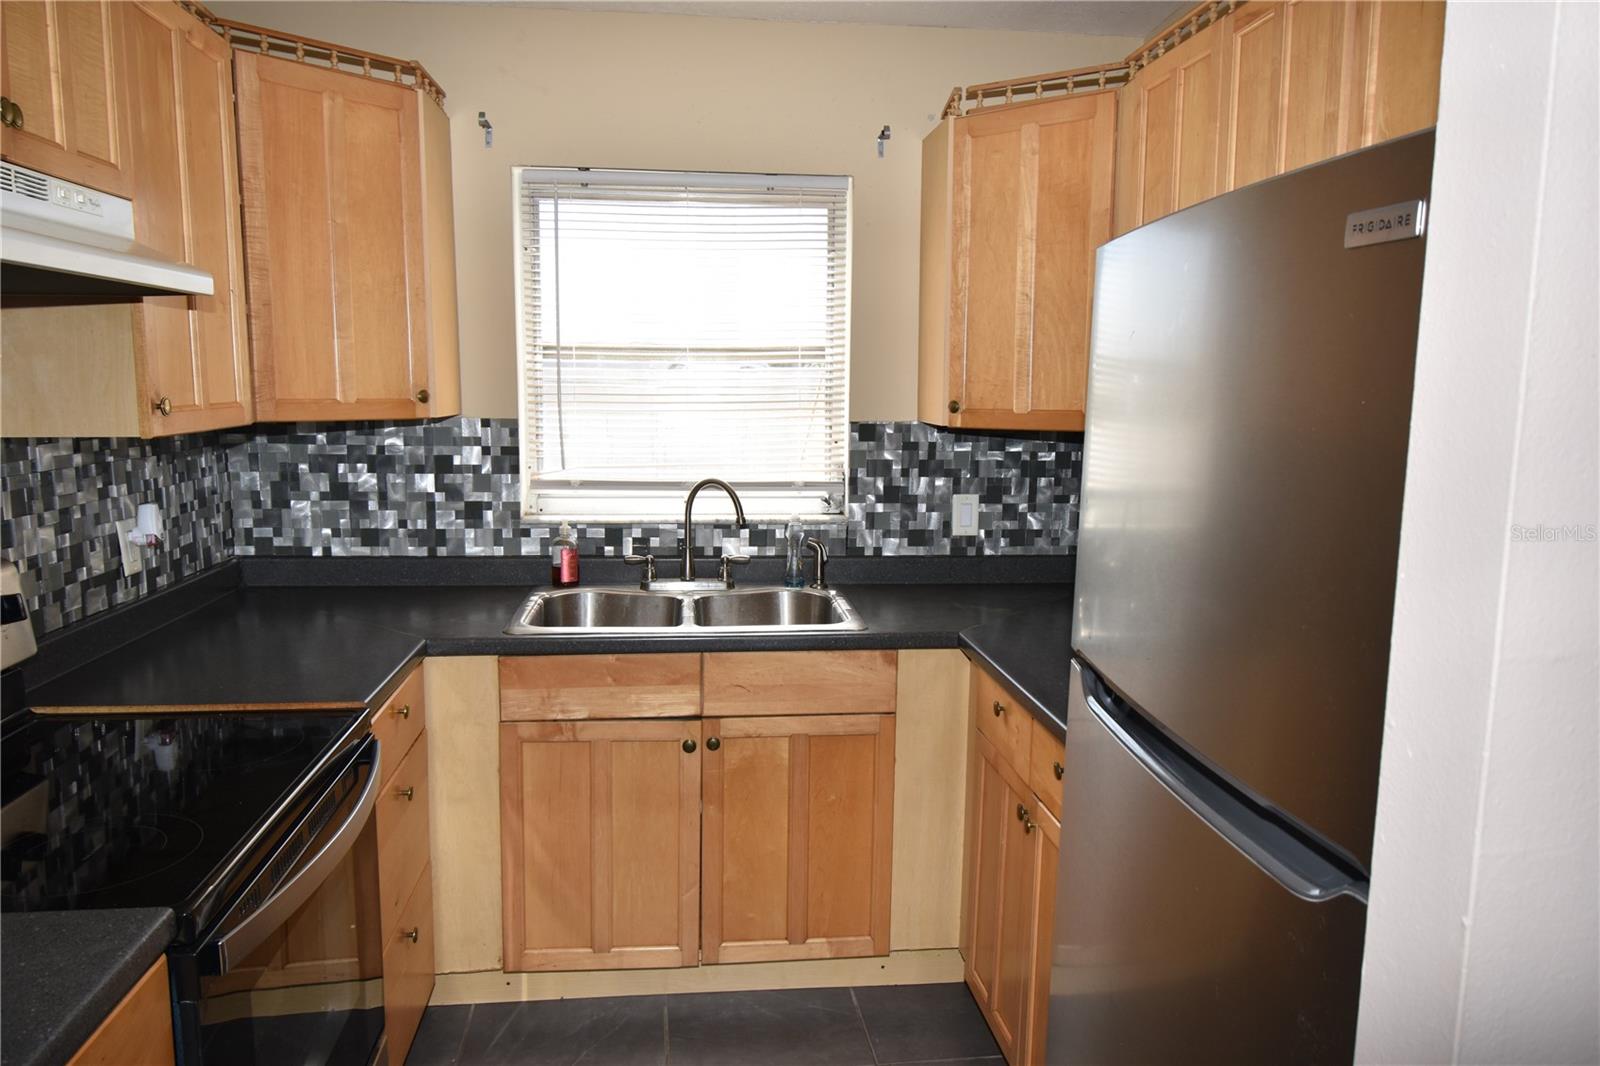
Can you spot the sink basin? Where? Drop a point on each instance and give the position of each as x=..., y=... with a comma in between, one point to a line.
x=767, y=607
x=720, y=612
x=603, y=609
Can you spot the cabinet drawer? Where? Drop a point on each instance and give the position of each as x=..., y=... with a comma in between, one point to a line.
x=1007, y=724
x=552, y=687
x=1046, y=757
x=399, y=722
x=743, y=683
x=402, y=814
x=408, y=970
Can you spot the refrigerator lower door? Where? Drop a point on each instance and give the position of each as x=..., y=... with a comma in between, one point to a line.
x=1173, y=942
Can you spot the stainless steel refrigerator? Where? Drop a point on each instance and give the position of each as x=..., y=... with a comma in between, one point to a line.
x=1249, y=406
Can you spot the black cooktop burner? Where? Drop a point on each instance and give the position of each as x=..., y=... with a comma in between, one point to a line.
x=132, y=812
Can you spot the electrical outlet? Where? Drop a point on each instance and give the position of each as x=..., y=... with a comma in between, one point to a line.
x=132, y=555
x=964, y=515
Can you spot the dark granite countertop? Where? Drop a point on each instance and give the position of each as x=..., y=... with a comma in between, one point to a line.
x=61, y=972
x=342, y=646
x=1028, y=650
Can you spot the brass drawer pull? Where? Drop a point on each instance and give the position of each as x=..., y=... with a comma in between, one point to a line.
x=1059, y=769
x=407, y=793
x=998, y=709
x=412, y=934
x=403, y=711
x=163, y=406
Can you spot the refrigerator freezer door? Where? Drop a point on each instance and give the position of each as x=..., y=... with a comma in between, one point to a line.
x=1170, y=945
x=1249, y=405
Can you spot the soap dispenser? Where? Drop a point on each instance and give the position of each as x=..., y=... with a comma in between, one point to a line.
x=564, y=559
x=794, y=535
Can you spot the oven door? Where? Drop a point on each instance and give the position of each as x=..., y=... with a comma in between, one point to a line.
x=293, y=971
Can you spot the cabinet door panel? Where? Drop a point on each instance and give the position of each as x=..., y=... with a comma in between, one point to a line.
x=60, y=63
x=600, y=836
x=1075, y=164
x=1255, y=98
x=1315, y=124
x=990, y=175
x=1048, y=833
x=1199, y=134
x=798, y=824
x=180, y=90
x=331, y=171
x=1404, y=44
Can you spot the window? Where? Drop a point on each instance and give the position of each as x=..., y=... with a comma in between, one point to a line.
x=675, y=326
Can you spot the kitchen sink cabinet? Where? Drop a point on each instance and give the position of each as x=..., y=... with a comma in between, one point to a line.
x=1012, y=847
x=600, y=843
x=798, y=826
x=60, y=66
x=1015, y=200
x=349, y=244
x=1272, y=86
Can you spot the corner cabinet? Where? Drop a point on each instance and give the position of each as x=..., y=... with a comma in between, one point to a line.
x=60, y=74
x=1270, y=87
x=349, y=244
x=1015, y=200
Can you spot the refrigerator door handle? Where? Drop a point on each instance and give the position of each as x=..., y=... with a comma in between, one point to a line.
x=1284, y=851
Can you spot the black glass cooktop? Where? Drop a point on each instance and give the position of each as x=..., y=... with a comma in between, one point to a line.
x=134, y=812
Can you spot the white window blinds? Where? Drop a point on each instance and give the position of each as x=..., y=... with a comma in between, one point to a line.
x=676, y=326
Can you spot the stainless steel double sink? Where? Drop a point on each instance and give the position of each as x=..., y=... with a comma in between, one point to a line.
x=718, y=612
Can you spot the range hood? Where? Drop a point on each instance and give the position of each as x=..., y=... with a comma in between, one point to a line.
x=62, y=239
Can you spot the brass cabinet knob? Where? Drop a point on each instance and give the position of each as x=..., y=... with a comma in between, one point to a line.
x=412, y=934
x=998, y=709
x=403, y=711
x=1059, y=769
x=422, y=395
x=689, y=746
x=1027, y=825
x=10, y=113
x=1022, y=813
x=955, y=407
x=163, y=406
x=406, y=793
x=713, y=744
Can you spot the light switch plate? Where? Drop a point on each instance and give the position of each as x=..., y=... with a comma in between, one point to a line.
x=964, y=515
x=132, y=556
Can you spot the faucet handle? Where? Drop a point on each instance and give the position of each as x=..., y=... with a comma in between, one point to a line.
x=728, y=562
x=649, y=564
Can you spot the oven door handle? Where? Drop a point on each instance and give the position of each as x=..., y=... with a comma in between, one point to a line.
x=249, y=934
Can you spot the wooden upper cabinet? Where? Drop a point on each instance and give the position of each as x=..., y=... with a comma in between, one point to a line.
x=600, y=844
x=59, y=63
x=190, y=350
x=1273, y=86
x=349, y=247
x=1169, y=131
x=1015, y=201
x=798, y=825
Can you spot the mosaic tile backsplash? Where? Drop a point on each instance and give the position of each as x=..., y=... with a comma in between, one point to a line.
x=451, y=488
x=62, y=500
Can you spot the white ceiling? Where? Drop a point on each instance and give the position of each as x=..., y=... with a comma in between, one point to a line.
x=1105, y=18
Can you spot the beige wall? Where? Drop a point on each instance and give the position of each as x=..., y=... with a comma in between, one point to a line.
x=682, y=93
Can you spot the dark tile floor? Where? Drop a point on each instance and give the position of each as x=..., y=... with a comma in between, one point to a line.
x=871, y=1026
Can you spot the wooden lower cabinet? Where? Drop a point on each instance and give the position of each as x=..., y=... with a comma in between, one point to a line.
x=138, y=1031
x=1008, y=901
x=798, y=823
x=408, y=970
x=600, y=843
